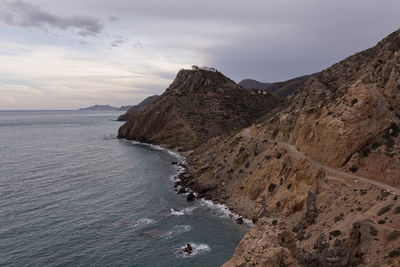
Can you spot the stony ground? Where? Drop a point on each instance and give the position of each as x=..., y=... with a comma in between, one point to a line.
x=319, y=174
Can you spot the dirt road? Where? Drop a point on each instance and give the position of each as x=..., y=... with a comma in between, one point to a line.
x=335, y=173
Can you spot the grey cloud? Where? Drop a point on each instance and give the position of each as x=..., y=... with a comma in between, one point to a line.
x=119, y=40
x=20, y=13
x=113, y=18
x=138, y=45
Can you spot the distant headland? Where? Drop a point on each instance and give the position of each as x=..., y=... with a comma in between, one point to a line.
x=105, y=108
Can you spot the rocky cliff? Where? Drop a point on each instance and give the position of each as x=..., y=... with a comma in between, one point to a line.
x=320, y=176
x=136, y=108
x=197, y=106
x=280, y=90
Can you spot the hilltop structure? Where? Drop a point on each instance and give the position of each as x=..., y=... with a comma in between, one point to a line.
x=318, y=173
x=195, y=67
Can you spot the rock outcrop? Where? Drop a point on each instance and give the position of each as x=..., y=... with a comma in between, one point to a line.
x=348, y=115
x=311, y=168
x=319, y=174
x=197, y=106
x=136, y=108
x=280, y=90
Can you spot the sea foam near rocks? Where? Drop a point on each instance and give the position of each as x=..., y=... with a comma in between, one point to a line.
x=198, y=249
x=221, y=208
x=224, y=211
x=188, y=210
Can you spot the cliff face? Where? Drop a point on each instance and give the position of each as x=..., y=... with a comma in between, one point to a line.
x=348, y=115
x=136, y=108
x=280, y=90
x=321, y=174
x=197, y=106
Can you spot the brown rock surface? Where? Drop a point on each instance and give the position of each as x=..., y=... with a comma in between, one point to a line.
x=338, y=137
x=136, y=108
x=197, y=106
x=319, y=175
x=348, y=115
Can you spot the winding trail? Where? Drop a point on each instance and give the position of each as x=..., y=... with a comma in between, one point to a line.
x=333, y=173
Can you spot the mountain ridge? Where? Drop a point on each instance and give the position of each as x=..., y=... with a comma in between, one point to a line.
x=281, y=89
x=314, y=172
x=136, y=108
x=197, y=106
x=105, y=108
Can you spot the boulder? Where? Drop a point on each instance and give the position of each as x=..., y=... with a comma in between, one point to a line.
x=190, y=197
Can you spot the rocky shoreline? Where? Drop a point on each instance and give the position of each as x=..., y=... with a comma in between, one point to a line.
x=318, y=173
x=185, y=184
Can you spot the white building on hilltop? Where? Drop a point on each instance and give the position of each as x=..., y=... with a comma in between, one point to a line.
x=195, y=67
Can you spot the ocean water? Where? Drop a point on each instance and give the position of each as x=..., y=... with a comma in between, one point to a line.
x=73, y=194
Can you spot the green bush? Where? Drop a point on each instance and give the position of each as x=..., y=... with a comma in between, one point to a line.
x=393, y=236
x=373, y=231
x=384, y=210
x=335, y=233
x=395, y=253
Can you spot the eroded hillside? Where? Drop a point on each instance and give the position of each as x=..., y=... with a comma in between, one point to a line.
x=320, y=175
x=198, y=105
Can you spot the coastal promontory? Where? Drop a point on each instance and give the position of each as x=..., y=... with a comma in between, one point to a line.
x=318, y=173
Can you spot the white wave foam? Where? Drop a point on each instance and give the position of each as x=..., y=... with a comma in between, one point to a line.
x=182, y=160
x=177, y=230
x=224, y=211
x=156, y=147
x=197, y=250
x=177, y=213
x=188, y=210
x=143, y=222
x=221, y=208
x=182, y=228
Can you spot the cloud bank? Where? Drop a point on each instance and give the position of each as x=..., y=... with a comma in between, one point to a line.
x=117, y=52
x=23, y=14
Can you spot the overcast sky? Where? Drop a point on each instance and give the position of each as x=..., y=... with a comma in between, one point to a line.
x=66, y=54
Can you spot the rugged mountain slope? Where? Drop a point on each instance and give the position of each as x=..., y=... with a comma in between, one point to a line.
x=278, y=89
x=134, y=109
x=253, y=84
x=320, y=176
x=348, y=115
x=198, y=105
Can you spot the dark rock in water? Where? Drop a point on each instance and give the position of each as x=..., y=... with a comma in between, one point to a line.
x=181, y=190
x=188, y=249
x=239, y=220
x=190, y=197
x=174, y=162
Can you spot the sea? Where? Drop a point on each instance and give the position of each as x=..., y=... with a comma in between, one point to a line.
x=73, y=194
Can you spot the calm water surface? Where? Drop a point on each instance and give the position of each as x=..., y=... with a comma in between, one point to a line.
x=72, y=194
